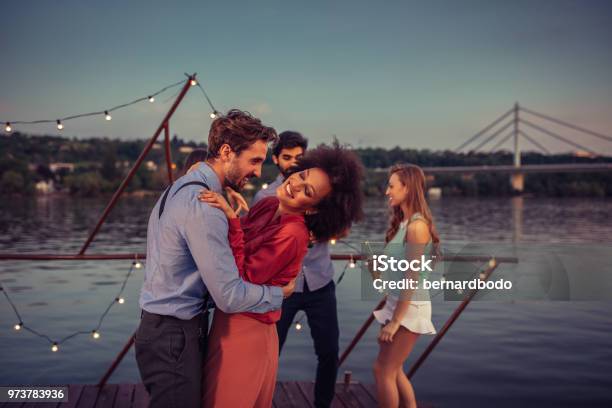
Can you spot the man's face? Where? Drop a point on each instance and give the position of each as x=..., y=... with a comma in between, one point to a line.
x=287, y=158
x=240, y=168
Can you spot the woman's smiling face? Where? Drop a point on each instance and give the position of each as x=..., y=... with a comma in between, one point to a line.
x=396, y=191
x=303, y=190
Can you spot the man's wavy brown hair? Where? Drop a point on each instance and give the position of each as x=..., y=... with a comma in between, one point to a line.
x=337, y=211
x=238, y=129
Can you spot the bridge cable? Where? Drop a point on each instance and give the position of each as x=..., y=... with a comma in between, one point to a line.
x=534, y=142
x=486, y=129
x=494, y=135
x=556, y=136
x=560, y=122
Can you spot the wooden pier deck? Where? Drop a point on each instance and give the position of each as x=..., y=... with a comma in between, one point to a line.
x=293, y=394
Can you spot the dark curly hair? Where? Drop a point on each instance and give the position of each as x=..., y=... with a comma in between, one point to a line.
x=239, y=130
x=288, y=140
x=337, y=211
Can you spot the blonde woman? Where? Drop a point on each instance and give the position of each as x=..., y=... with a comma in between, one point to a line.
x=406, y=315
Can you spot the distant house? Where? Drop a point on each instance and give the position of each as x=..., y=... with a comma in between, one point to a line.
x=150, y=165
x=582, y=153
x=55, y=167
x=44, y=187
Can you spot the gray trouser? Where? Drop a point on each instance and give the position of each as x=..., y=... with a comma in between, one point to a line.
x=170, y=357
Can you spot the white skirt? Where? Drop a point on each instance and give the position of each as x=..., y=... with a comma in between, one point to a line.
x=417, y=318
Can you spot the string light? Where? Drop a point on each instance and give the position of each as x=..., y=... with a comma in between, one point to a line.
x=332, y=241
x=213, y=115
x=95, y=333
x=352, y=262
x=151, y=98
x=298, y=326
x=264, y=185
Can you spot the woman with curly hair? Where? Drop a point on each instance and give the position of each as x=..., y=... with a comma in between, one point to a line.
x=318, y=201
x=406, y=316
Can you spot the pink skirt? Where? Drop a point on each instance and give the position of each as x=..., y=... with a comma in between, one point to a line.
x=241, y=362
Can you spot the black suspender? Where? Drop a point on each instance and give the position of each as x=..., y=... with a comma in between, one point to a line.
x=161, y=210
x=190, y=183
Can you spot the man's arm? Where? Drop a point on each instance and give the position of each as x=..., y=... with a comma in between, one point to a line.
x=205, y=231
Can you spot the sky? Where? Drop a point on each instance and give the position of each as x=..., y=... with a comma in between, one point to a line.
x=425, y=74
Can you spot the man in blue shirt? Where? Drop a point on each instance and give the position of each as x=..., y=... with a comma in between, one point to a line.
x=189, y=259
x=315, y=291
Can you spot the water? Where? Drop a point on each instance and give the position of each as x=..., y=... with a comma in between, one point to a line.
x=501, y=354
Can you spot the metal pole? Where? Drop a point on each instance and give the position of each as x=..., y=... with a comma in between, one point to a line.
x=118, y=256
x=136, y=165
x=517, y=151
x=116, y=362
x=360, y=333
x=492, y=265
x=168, y=152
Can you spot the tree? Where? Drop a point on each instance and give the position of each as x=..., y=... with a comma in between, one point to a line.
x=12, y=182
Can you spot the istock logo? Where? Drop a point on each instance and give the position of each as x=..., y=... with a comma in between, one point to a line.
x=382, y=263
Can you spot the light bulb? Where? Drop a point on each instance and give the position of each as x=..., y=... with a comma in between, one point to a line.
x=18, y=326
x=264, y=185
x=107, y=115
x=8, y=127
x=137, y=264
x=352, y=263
x=54, y=347
x=59, y=125
x=151, y=99
x=298, y=326
x=332, y=241
x=120, y=300
x=193, y=82
x=213, y=115
x=95, y=334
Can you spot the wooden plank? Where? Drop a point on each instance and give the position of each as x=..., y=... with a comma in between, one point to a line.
x=362, y=395
x=74, y=395
x=141, y=396
x=88, y=397
x=280, y=399
x=343, y=394
x=371, y=389
x=40, y=405
x=307, y=389
x=106, y=396
x=124, y=396
x=11, y=404
x=294, y=395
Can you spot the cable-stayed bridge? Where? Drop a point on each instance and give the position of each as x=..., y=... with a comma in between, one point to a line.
x=517, y=124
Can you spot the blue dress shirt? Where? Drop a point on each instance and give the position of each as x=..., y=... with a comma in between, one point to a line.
x=188, y=254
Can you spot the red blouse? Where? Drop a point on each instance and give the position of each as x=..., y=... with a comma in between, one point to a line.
x=268, y=250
